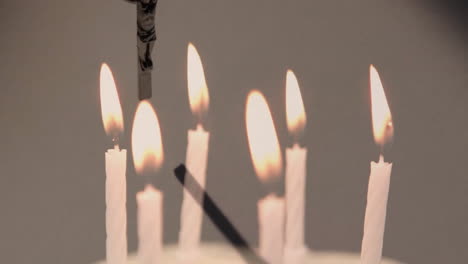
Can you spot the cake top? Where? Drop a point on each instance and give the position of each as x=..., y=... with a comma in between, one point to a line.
x=213, y=253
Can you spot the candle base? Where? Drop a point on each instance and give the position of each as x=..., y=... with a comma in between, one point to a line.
x=295, y=255
x=188, y=256
x=215, y=253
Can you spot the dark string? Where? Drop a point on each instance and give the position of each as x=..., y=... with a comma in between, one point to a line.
x=216, y=215
x=146, y=38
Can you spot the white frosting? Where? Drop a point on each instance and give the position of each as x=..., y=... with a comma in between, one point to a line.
x=215, y=253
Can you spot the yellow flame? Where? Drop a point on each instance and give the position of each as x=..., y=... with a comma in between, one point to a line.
x=110, y=104
x=147, y=146
x=295, y=113
x=197, y=88
x=263, y=141
x=381, y=116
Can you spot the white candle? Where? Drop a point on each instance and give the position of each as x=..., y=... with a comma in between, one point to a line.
x=271, y=228
x=266, y=157
x=116, y=163
x=197, y=152
x=148, y=155
x=191, y=215
x=116, y=211
x=296, y=158
x=150, y=224
x=295, y=200
x=379, y=180
x=374, y=223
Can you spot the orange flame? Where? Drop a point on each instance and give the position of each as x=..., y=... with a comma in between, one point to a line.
x=147, y=146
x=111, y=110
x=381, y=116
x=197, y=88
x=263, y=141
x=295, y=113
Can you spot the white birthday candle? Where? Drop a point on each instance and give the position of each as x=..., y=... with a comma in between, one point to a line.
x=116, y=164
x=296, y=158
x=148, y=155
x=149, y=202
x=266, y=157
x=196, y=159
x=379, y=180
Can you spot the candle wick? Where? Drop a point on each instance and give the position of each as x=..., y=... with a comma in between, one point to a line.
x=200, y=116
x=382, y=151
x=115, y=140
x=148, y=186
x=148, y=182
x=381, y=159
x=200, y=126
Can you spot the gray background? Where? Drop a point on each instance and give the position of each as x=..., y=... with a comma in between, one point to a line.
x=52, y=141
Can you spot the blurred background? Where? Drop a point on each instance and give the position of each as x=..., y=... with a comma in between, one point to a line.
x=53, y=142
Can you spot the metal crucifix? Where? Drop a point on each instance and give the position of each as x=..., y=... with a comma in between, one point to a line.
x=146, y=37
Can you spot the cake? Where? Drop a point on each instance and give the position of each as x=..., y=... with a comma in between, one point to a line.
x=225, y=254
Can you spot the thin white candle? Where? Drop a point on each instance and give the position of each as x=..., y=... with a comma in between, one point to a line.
x=116, y=211
x=267, y=161
x=196, y=159
x=376, y=210
x=150, y=220
x=379, y=180
x=148, y=156
x=116, y=164
x=295, y=194
x=296, y=157
x=271, y=225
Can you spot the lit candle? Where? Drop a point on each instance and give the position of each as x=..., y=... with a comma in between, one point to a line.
x=116, y=164
x=148, y=156
x=296, y=157
x=197, y=152
x=149, y=225
x=266, y=157
x=379, y=180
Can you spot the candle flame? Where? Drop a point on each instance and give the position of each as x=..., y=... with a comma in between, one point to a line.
x=295, y=113
x=111, y=110
x=146, y=139
x=197, y=88
x=381, y=116
x=263, y=141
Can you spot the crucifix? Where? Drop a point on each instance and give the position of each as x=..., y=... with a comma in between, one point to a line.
x=146, y=36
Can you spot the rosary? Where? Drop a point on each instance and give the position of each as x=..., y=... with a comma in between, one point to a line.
x=146, y=37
